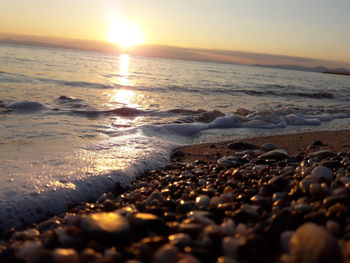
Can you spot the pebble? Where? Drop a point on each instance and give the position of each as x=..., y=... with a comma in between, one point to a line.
x=241, y=229
x=166, y=254
x=333, y=227
x=241, y=146
x=153, y=197
x=202, y=182
x=285, y=241
x=180, y=239
x=321, y=174
x=228, y=161
x=178, y=154
x=28, y=248
x=226, y=260
x=27, y=234
x=65, y=255
x=105, y=197
x=311, y=243
x=250, y=210
x=230, y=247
x=104, y=225
x=202, y=201
x=189, y=259
x=228, y=227
x=278, y=154
x=322, y=154
x=268, y=147
x=316, y=190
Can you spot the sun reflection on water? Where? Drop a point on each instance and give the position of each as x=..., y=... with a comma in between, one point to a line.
x=124, y=61
x=124, y=96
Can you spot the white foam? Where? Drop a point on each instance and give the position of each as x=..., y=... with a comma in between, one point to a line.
x=51, y=185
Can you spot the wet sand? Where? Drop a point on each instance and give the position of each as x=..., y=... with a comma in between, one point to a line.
x=338, y=141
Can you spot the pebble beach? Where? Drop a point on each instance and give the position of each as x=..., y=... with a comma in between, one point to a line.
x=269, y=199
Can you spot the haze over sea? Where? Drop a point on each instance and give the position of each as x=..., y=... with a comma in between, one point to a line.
x=74, y=123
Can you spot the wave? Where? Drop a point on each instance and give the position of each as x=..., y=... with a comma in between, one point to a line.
x=21, y=78
x=53, y=195
x=84, y=84
x=274, y=90
x=124, y=111
x=280, y=117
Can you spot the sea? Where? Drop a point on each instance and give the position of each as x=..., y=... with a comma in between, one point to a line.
x=73, y=124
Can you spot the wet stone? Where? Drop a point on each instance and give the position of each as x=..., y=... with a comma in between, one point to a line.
x=250, y=210
x=322, y=174
x=185, y=207
x=141, y=219
x=226, y=260
x=202, y=182
x=202, y=201
x=48, y=224
x=228, y=227
x=322, y=154
x=331, y=164
x=27, y=234
x=279, y=196
x=261, y=201
x=303, y=208
x=228, y=161
x=333, y=227
x=285, y=240
x=167, y=253
x=180, y=239
x=65, y=255
x=279, y=182
x=40, y=256
x=278, y=154
x=304, y=185
x=105, y=225
x=153, y=197
x=268, y=147
x=190, y=228
x=178, y=154
x=189, y=259
x=316, y=190
x=311, y=243
x=241, y=146
x=255, y=248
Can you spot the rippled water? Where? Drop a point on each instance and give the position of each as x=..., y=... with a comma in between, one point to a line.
x=74, y=122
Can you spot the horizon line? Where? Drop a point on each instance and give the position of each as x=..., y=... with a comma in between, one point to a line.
x=174, y=52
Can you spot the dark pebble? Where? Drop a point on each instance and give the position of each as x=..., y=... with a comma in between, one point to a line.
x=241, y=146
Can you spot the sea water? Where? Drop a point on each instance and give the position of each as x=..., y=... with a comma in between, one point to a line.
x=75, y=123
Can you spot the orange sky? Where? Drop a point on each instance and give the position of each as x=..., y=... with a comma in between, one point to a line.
x=315, y=28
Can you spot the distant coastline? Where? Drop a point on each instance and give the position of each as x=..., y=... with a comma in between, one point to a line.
x=319, y=69
x=337, y=73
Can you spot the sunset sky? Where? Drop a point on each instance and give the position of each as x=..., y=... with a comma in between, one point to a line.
x=305, y=28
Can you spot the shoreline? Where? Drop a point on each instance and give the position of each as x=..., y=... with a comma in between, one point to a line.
x=167, y=213
x=337, y=140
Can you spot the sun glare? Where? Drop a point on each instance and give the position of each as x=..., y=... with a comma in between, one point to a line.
x=124, y=34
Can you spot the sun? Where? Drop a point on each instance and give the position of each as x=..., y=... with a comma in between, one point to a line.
x=124, y=34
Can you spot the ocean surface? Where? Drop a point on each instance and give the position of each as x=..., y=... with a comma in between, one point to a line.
x=74, y=123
